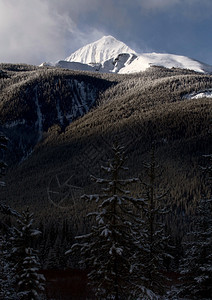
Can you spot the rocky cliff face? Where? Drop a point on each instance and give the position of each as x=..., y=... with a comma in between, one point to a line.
x=33, y=101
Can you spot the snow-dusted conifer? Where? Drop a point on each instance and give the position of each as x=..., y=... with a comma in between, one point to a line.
x=7, y=282
x=7, y=290
x=25, y=259
x=4, y=209
x=3, y=165
x=30, y=282
x=108, y=251
x=196, y=267
x=154, y=241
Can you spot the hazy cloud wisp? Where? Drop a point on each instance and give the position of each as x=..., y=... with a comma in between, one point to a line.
x=29, y=30
x=32, y=31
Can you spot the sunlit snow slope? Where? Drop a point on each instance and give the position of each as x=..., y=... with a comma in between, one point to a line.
x=145, y=60
x=100, y=51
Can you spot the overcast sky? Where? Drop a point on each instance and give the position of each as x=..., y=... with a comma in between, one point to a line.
x=34, y=31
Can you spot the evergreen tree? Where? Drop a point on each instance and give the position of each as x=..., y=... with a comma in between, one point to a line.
x=7, y=290
x=4, y=209
x=3, y=165
x=30, y=282
x=196, y=267
x=155, y=242
x=25, y=259
x=108, y=251
x=7, y=283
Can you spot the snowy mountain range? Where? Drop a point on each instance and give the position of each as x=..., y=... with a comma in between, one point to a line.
x=108, y=55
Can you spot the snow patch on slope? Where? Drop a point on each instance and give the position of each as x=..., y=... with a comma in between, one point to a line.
x=199, y=95
x=14, y=123
x=73, y=66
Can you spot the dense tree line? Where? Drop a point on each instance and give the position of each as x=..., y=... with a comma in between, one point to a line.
x=19, y=267
x=126, y=250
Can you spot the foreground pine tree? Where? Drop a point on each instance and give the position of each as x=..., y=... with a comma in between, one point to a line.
x=109, y=250
x=7, y=290
x=3, y=165
x=5, y=210
x=19, y=263
x=196, y=267
x=25, y=259
x=7, y=282
x=155, y=241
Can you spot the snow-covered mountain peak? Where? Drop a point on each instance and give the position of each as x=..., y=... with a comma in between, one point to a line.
x=109, y=55
x=100, y=51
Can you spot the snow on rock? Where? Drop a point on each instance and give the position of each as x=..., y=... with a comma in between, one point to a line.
x=199, y=95
x=82, y=100
x=100, y=51
x=114, y=65
x=14, y=123
x=123, y=60
x=46, y=64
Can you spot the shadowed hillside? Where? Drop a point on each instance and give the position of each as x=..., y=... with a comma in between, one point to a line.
x=137, y=109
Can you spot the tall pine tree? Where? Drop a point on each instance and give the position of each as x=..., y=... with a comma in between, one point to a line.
x=196, y=266
x=4, y=209
x=7, y=290
x=155, y=241
x=30, y=284
x=109, y=250
x=7, y=281
x=3, y=165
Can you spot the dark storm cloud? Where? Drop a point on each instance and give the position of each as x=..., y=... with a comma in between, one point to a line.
x=46, y=30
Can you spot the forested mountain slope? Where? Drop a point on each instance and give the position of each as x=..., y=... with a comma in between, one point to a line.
x=135, y=109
